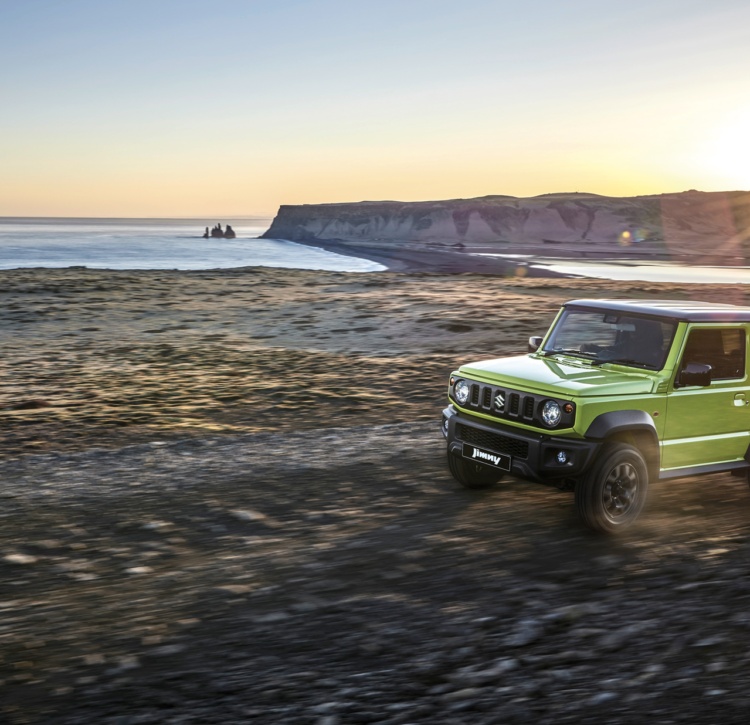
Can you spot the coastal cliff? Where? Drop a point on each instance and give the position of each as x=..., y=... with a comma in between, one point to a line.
x=662, y=225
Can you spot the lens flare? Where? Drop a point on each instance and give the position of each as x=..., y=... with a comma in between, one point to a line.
x=727, y=150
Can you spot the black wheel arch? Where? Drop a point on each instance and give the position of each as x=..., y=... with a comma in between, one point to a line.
x=635, y=427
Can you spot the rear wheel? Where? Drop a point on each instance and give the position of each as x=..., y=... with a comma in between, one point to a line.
x=612, y=495
x=472, y=475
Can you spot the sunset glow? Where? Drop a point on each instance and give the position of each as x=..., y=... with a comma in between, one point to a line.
x=233, y=108
x=727, y=151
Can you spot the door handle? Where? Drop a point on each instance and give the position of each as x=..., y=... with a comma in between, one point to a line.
x=740, y=401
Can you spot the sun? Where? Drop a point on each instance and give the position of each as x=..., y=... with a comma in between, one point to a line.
x=727, y=151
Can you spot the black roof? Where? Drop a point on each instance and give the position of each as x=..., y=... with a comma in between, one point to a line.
x=682, y=310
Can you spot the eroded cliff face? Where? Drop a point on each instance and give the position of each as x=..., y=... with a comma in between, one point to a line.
x=688, y=221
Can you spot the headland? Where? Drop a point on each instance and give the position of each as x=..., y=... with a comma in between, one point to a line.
x=692, y=227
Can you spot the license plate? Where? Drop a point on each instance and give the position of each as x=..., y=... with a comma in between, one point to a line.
x=488, y=458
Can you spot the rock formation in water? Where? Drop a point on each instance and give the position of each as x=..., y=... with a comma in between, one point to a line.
x=218, y=233
x=664, y=224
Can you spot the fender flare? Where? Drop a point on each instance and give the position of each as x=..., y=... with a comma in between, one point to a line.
x=619, y=421
x=627, y=421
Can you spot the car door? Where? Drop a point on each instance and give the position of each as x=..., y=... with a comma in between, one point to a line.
x=711, y=424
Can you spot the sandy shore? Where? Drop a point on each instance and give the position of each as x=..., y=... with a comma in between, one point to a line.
x=440, y=259
x=108, y=358
x=517, y=260
x=225, y=499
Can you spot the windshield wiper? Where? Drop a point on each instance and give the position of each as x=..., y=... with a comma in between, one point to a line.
x=626, y=361
x=576, y=353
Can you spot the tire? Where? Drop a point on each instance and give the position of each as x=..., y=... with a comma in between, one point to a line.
x=612, y=495
x=472, y=475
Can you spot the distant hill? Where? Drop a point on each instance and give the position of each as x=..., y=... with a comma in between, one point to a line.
x=710, y=225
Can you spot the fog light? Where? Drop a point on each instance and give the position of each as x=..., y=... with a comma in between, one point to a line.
x=445, y=427
x=562, y=457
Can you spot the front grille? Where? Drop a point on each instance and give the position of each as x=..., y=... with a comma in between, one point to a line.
x=503, y=403
x=494, y=441
x=514, y=406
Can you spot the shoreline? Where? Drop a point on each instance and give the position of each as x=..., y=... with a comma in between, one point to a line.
x=412, y=259
x=404, y=259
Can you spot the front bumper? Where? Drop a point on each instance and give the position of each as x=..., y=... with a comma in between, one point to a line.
x=534, y=456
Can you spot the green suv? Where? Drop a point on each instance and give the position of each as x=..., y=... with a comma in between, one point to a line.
x=618, y=393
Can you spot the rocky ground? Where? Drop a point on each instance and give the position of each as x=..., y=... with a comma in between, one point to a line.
x=202, y=526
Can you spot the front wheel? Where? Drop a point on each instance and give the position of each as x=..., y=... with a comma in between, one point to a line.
x=612, y=495
x=472, y=475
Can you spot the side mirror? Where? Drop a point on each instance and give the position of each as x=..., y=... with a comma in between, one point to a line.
x=694, y=374
x=535, y=342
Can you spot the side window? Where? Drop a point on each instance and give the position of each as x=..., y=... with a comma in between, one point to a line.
x=722, y=349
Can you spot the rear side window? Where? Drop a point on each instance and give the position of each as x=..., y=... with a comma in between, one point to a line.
x=722, y=349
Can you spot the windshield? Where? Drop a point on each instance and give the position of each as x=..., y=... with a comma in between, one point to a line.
x=603, y=336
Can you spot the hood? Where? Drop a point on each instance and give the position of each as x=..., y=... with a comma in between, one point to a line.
x=559, y=376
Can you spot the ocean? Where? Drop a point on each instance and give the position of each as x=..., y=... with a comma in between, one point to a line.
x=157, y=244
x=634, y=270
x=178, y=244
x=654, y=272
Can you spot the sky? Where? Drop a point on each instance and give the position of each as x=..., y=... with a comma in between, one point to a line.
x=162, y=108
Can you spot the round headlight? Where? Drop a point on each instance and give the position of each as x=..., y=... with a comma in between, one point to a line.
x=551, y=413
x=461, y=390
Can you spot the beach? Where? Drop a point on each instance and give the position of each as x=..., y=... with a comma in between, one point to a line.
x=113, y=357
x=225, y=500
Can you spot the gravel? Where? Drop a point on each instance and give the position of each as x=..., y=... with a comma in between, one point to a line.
x=341, y=576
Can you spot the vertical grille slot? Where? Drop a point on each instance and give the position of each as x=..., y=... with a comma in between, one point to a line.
x=528, y=407
x=515, y=400
x=474, y=394
x=487, y=397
